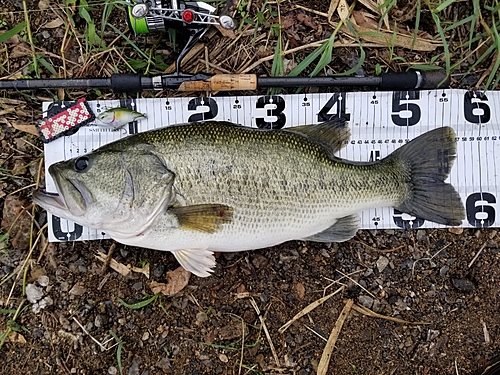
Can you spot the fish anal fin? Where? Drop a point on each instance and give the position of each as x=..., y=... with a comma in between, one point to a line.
x=333, y=134
x=344, y=229
x=206, y=218
x=199, y=262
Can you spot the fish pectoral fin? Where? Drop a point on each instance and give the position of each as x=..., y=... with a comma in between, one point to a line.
x=206, y=218
x=333, y=134
x=344, y=229
x=199, y=262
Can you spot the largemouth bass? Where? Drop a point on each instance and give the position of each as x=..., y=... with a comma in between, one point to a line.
x=197, y=188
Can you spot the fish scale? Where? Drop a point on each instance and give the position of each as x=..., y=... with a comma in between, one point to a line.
x=202, y=187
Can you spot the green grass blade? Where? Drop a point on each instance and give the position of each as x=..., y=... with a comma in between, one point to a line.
x=417, y=23
x=47, y=66
x=444, y=5
x=494, y=71
x=10, y=33
x=440, y=30
x=116, y=30
x=307, y=61
x=7, y=311
x=138, y=305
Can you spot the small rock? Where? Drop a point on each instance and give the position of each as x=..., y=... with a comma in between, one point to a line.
x=444, y=270
x=201, y=317
x=33, y=293
x=158, y=270
x=421, y=235
x=112, y=370
x=43, y=280
x=134, y=368
x=492, y=234
x=249, y=316
x=138, y=286
x=64, y=286
x=382, y=262
x=100, y=320
x=77, y=290
x=223, y=358
x=164, y=364
x=145, y=336
x=260, y=261
x=456, y=230
x=463, y=285
x=377, y=306
x=366, y=301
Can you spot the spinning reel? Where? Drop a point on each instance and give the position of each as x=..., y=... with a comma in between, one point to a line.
x=190, y=18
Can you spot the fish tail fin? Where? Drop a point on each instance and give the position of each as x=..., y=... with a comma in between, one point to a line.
x=427, y=162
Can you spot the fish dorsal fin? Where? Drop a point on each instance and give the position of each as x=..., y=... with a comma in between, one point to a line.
x=199, y=262
x=333, y=134
x=344, y=229
x=206, y=218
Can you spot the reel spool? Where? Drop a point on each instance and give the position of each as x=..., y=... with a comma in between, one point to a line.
x=159, y=15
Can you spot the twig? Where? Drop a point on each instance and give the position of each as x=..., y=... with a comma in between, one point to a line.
x=477, y=255
x=366, y=311
x=431, y=258
x=101, y=345
x=316, y=333
x=485, y=332
x=334, y=335
x=308, y=309
x=264, y=327
x=358, y=284
x=242, y=345
x=108, y=258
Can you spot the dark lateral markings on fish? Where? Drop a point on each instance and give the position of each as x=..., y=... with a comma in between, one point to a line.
x=479, y=208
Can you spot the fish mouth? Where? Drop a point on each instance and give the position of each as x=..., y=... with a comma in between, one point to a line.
x=49, y=200
x=68, y=201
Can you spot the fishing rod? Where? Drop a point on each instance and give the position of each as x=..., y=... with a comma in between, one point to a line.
x=193, y=20
x=133, y=83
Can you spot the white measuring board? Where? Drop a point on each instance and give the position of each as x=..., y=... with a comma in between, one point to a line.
x=379, y=122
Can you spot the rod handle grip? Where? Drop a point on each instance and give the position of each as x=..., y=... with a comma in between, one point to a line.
x=222, y=82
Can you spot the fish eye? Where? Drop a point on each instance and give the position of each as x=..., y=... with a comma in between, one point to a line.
x=82, y=163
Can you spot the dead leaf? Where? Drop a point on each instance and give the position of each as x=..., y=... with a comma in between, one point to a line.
x=343, y=10
x=15, y=337
x=31, y=129
x=121, y=268
x=54, y=24
x=17, y=221
x=177, y=280
x=20, y=50
x=306, y=20
x=299, y=289
x=364, y=19
x=144, y=270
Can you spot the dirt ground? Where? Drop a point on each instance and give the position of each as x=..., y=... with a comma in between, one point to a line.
x=443, y=285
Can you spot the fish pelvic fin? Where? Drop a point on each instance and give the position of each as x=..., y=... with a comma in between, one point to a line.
x=344, y=229
x=199, y=262
x=206, y=218
x=427, y=161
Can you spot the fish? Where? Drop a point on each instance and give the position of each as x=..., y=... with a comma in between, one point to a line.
x=199, y=188
x=117, y=117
